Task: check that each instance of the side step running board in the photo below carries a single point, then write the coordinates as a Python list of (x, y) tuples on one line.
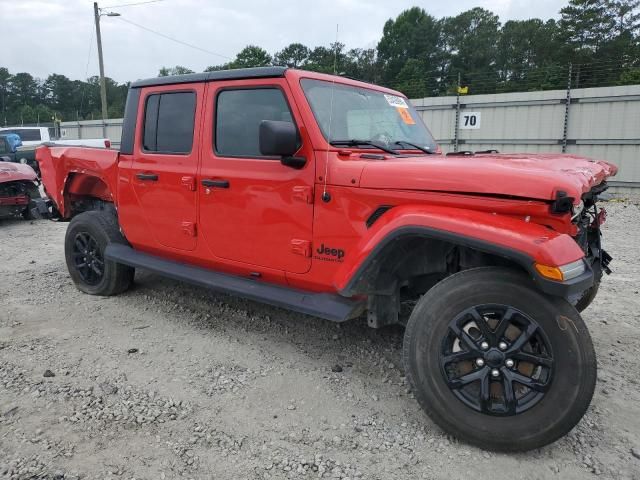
[(323, 305)]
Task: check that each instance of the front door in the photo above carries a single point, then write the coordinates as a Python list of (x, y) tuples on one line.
[(165, 162), (253, 209)]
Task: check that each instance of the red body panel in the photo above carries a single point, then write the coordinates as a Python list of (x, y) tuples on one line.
[(15, 172), (521, 175), (272, 221), (80, 171), (162, 213), (535, 241), (267, 211), (11, 172)]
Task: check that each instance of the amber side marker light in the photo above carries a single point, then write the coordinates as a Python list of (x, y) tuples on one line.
[(563, 272)]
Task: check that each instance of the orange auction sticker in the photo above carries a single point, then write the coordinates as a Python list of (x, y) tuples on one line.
[(406, 116)]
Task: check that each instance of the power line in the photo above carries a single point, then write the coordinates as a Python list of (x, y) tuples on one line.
[(132, 4), (173, 39), (86, 70)]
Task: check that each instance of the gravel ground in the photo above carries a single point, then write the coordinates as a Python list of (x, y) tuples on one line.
[(172, 381)]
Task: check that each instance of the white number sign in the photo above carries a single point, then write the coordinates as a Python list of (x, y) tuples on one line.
[(470, 120)]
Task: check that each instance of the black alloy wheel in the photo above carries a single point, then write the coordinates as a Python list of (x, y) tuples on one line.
[(88, 235), (496, 360), (87, 258)]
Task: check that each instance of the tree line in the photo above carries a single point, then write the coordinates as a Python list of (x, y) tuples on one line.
[(594, 43)]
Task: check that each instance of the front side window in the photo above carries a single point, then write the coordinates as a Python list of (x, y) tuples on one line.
[(168, 122), (365, 114), (238, 117)]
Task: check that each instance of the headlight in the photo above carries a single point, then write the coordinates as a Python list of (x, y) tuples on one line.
[(23, 160), (563, 272)]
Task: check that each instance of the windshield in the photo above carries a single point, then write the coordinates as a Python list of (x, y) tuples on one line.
[(365, 114)]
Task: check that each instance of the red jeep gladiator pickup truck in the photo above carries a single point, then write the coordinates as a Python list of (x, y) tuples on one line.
[(329, 196)]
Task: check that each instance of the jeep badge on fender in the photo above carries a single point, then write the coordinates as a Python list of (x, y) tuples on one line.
[(220, 180), (324, 251)]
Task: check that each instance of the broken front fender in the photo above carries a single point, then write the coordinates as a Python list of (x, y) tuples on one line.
[(528, 244)]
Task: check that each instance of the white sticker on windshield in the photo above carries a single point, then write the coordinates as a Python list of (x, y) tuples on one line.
[(397, 102)]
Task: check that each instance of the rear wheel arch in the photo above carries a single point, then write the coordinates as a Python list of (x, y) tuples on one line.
[(85, 192)]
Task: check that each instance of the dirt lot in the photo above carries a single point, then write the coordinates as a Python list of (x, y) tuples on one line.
[(171, 381)]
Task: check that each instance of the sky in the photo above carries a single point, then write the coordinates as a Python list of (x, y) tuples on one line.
[(58, 36)]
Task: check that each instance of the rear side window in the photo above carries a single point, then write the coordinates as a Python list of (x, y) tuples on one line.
[(238, 117), (168, 122)]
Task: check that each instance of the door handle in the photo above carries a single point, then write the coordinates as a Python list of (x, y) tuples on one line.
[(215, 183), (152, 177)]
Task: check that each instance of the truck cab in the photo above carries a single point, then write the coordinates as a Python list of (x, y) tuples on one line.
[(330, 197)]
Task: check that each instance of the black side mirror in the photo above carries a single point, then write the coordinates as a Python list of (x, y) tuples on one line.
[(280, 139)]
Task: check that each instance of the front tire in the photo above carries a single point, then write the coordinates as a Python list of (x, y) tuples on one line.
[(498, 364), (87, 236), (587, 297)]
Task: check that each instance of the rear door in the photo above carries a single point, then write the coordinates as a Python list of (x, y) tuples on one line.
[(165, 161), (253, 209)]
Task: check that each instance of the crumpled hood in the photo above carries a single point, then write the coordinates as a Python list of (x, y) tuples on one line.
[(536, 176), (11, 172)]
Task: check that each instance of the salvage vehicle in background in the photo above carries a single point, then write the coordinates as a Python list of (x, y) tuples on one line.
[(32, 137), (35, 136), (11, 151), (19, 192), (330, 197)]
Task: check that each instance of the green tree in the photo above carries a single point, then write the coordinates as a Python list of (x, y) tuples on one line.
[(470, 42), (325, 60), (293, 55), (60, 94), (5, 85), (525, 48), (630, 77), (626, 14), (413, 35), (216, 68), (24, 89), (586, 24), (177, 70), (252, 56), (361, 64)]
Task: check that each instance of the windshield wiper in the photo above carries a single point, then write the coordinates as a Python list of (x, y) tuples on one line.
[(355, 143), (417, 147)]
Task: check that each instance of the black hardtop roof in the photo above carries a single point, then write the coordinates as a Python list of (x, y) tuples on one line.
[(236, 74)]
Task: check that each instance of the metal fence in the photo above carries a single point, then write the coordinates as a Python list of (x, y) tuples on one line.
[(601, 123), (111, 129)]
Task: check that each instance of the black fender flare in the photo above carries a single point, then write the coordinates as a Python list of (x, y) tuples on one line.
[(550, 287)]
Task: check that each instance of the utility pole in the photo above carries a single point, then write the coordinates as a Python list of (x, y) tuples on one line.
[(567, 106), (456, 132), (103, 86)]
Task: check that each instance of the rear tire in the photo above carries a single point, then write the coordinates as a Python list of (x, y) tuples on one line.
[(88, 234), (546, 344)]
